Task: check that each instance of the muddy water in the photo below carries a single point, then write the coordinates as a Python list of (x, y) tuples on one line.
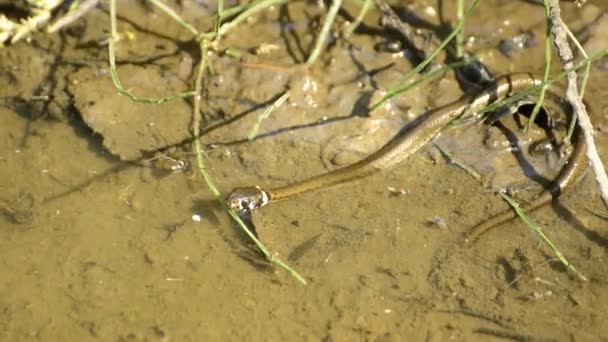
[(96, 244)]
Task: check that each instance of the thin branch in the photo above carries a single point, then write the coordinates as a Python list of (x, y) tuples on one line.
[(560, 37)]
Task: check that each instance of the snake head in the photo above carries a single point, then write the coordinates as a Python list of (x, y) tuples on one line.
[(247, 198)]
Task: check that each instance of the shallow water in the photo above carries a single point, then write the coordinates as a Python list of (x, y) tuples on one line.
[(97, 246)]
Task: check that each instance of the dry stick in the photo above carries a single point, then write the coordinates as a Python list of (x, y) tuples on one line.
[(564, 52)]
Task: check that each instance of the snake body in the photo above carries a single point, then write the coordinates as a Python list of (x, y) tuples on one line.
[(408, 141), (570, 173)]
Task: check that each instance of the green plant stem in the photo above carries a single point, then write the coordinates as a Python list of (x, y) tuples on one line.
[(171, 13), (583, 84), (234, 10), (353, 26), (393, 91), (329, 20), (207, 177), (580, 48), (219, 17), (209, 181), (258, 122), (252, 9), (427, 78), (196, 120), (546, 71), (460, 35), (539, 232), (198, 87), (114, 73)]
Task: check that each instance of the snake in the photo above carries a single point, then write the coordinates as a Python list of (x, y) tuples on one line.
[(412, 138)]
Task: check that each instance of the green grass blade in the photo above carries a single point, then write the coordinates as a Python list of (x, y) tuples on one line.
[(196, 112), (539, 232), (320, 44), (258, 122), (546, 71), (114, 73), (395, 90)]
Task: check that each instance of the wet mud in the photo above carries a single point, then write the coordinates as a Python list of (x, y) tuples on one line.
[(98, 237)]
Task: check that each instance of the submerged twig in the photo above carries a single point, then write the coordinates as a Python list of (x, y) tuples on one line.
[(448, 155), (564, 52)]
